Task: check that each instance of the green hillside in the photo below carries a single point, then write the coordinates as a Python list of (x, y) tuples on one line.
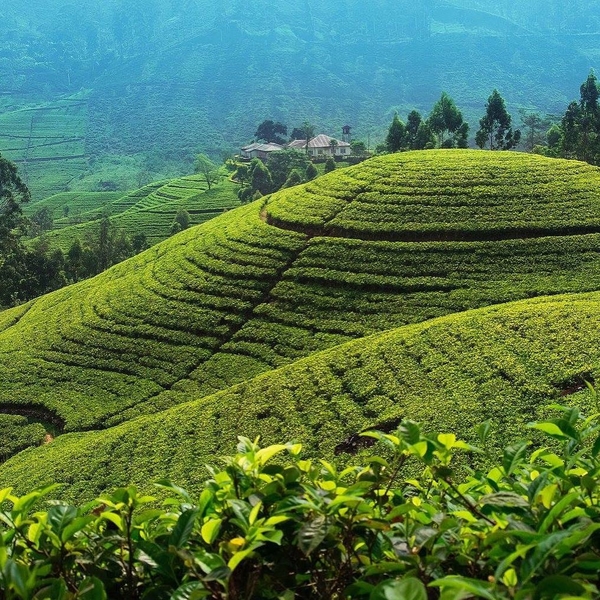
[(359, 251), (502, 363), (150, 210)]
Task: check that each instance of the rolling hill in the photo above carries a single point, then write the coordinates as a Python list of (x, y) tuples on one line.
[(395, 241)]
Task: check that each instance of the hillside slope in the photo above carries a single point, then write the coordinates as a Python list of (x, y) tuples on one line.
[(396, 240), (150, 210), (504, 363)]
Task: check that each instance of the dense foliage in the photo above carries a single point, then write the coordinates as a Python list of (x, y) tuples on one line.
[(402, 525)]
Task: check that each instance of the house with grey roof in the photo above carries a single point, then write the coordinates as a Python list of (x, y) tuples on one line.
[(322, 146), (259, 150)]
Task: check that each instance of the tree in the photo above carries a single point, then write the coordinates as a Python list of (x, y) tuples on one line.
[(309, 133), (412, 127), (358, 148), (329, 165), (283, 162), (298, 133), (181, 221), (13, 193), (535, 127), (271, 132), (446, 119), (396, 134), (208, 169), (311, 172), (495, 126), (42, 220), (74, 262), (261, 180), (425, 138), (295, 178)]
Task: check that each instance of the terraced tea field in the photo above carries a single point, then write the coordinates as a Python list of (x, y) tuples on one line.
[(150, 210), (47, 143), (74, 204), (275, 281), (448, 373)]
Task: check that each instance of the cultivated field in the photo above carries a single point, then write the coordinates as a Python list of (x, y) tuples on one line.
[(275, 281)]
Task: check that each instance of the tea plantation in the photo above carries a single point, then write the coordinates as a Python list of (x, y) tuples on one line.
[(151, 209), (395, 241), (504, 364)]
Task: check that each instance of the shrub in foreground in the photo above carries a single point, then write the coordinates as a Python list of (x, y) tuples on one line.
[(272, 525)]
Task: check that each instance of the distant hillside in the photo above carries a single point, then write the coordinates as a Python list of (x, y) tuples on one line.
[(396, 240), (157, 81), (151, 210)]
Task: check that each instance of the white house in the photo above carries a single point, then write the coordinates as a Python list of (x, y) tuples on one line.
[(322, 146), (258, 150)]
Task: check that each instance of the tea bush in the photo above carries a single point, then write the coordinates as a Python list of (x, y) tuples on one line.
[(271, 524)]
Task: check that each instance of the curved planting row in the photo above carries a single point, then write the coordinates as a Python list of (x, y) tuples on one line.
[(446, 195), (450, 372), (151, 210), (219, 304)]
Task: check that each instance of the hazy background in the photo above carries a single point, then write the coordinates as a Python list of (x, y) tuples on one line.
[(97, 94)]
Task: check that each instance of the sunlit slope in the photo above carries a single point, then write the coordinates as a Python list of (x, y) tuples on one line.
[(260, 287), (504, 363), (151, 210)]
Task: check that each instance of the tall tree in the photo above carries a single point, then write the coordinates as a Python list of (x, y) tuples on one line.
[(495, 126), (13, 193), (535, 127), (445, 119), (396, 135), (413, 121), (271, 132), (207, 168)]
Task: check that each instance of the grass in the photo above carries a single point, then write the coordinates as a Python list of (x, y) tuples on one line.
[(261, 287)]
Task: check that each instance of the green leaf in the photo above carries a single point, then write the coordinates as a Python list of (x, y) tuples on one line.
[(552, 586), (596, 447), (311, 535), (483, 431), (91, 588), (512, 456), (410, 432), (265, 454), (183, 528), (210, 530), (238, 557), (59, 516), (504, 499), (475, 587), (190, 591), (408, 588)]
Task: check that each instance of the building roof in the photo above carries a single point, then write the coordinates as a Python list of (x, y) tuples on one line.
[(297, 144), (320, 141), (262, 147), (324, 141)]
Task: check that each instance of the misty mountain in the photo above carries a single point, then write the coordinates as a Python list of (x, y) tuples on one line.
[(171, 78)]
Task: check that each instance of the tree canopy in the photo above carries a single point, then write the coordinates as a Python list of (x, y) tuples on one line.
[(495, 128), (271, 132), (446, 120)]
